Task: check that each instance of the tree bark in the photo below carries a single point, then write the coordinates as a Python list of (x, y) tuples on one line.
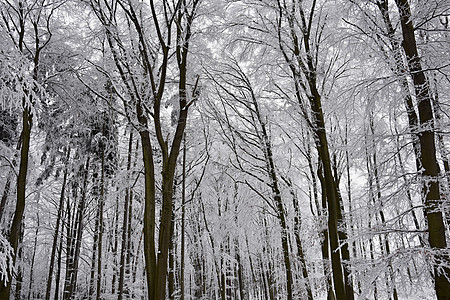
[(183, 219), (428, 161), (56, 234), (74, 255), (27, 123), (100, 227), (33, 258), (124, 248)]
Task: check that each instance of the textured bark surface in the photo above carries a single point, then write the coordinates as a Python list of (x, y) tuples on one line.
[(428, 161), (27, 123)]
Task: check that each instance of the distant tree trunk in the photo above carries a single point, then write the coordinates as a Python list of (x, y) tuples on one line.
[(100, 227), (301, 253), (58, 270), (92, 279), (56, 234), (33, 257), (115, 238), (428, 161), (74, 256), (390, 276), (125, 248), (98, 279), (241, 287), (70, 220), (70, 242), (183, 218), (197, 254)]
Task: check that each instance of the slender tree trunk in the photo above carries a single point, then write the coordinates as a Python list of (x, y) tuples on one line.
[(92, 278), (125, 248), (56, 234), (390, 273), (301, 254), (58, 269), (100, 228), (30, 284), (116, 244), (74, 256), (70, 229), (183, 219)]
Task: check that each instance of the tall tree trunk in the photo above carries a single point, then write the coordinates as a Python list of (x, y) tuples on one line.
[(116, 244), (428, 161), (125, 248), (332, 202), (19, 276), (301, 253), (172, 249), (69, 245), (56, 234), (92, 279), (74, 256), (325, 244), (149, 214), (399, 71), (100, 227), (183, 219), (58, 269), (27, 123), (31, 280), (317, 125), (390, 276)]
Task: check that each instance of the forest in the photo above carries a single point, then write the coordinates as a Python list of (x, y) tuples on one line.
[(225, 149)]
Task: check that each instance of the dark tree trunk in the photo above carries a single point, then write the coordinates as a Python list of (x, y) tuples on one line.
[(56, 234), (172, 249), (125, 247), (74, 255), (27, 124), (30, 284), (58, 270), (92, 279), (183, 219), (428, 161)]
